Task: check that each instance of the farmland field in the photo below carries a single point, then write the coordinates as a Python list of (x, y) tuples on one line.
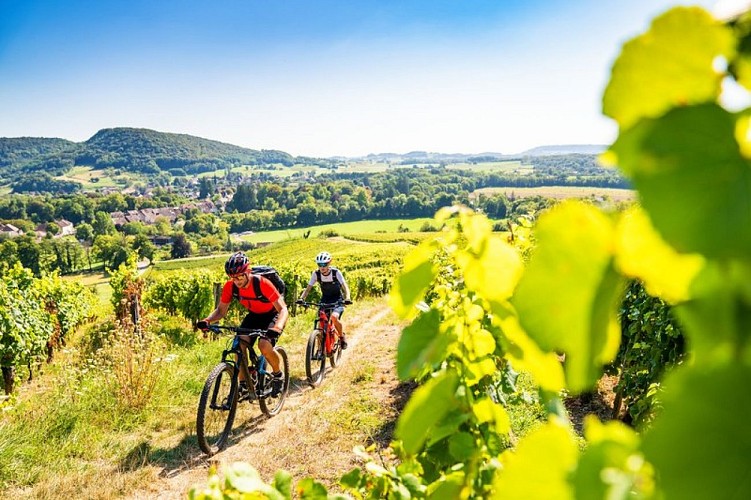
[(341, 228), (559, 192), (509, 167)]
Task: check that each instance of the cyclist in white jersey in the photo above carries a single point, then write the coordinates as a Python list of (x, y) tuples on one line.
[(334, 290)]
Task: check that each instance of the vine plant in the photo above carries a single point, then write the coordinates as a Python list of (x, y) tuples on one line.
[(689, 242)]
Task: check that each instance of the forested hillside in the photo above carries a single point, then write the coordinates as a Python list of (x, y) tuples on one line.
[(135, 150)]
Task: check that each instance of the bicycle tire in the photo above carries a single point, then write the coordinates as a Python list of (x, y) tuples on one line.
[(336, 353), (315, 360), (214, 421), (271, 405)]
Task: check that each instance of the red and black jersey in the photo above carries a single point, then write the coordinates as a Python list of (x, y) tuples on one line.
[(247, 296)]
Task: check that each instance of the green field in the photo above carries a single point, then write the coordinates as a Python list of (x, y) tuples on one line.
[(559, 192), (86, 175), (508, 167), (363, 166), (341, 228)]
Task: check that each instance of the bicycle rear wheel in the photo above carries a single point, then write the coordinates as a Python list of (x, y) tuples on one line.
[(271, 405), (315, 359), (216, 409)]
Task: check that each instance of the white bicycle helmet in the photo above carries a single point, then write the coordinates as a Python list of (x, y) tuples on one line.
[(323, 258)]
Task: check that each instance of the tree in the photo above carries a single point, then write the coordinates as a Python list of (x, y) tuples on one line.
[(52, 228), (112, 250), (244, 199), (84, 232), (206, 187), (144, 247), (180, 247), (103, 224)]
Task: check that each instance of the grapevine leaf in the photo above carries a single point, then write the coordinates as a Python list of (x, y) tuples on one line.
[(691, 177), (309, 488), (643, 254), (611, 466), (701, 444), (447, 427), (566, 299), (462, 446), (482, 343), (352, 479), (486, 410), (283, 483), (410, 285), (421, 343), (477, 370), (540, 465), (427, 406), (448, 486), (494, 271), (524, 353), (718, 320), (670, 65)]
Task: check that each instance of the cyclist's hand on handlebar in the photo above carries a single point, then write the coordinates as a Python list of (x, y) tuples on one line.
[(300, 302), (202, 325), (347, 302)]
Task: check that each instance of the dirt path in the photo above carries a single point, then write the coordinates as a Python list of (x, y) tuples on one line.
[(314, 434)]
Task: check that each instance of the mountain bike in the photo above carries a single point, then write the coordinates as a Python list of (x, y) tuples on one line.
[(221, 392), (323, 342)]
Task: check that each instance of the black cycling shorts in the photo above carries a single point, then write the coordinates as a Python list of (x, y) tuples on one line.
[(264, 321)]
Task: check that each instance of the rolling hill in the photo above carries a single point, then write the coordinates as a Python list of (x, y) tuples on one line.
[(132, 149)]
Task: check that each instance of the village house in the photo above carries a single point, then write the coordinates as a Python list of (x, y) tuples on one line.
[(66, 229), (148, 216), (9, 230)]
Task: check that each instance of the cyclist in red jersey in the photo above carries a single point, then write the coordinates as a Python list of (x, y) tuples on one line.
[(268, 312)]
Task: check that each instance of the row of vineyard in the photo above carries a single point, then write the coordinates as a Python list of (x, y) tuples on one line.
[(36, 315), (368, 268), (480, 313)]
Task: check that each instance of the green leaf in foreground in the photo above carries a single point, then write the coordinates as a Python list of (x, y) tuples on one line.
[(427, 406), (701, 445), (612, 465), (643, 254), (421, 344), (670, 65), (410, 285), (692, 179), (718, 319), (540, 465), (567, 298)]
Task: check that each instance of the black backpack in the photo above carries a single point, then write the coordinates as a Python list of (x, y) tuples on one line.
[(267, 272)]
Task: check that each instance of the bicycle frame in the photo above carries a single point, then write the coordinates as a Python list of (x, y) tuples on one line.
[(324, 323), (252, 366)]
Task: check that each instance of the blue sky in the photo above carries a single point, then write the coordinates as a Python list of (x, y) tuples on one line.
[(318, 78)]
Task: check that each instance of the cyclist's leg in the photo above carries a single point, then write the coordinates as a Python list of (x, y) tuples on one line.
[(336, 314), (243, 348), (264, 322)]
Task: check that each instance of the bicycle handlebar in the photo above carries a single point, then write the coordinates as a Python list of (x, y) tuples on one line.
[(252, 332), (323, 305)]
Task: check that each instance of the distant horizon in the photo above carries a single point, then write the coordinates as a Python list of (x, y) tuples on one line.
[(379, 153)]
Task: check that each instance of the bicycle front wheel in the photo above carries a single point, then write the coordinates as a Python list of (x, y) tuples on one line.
[(315, 358), (216, 409), (271, 402)]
